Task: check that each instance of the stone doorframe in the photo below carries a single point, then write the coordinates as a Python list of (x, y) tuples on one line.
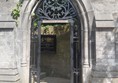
[(85, 11)]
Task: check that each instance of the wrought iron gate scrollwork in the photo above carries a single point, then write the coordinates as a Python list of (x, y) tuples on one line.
[(56, 9)]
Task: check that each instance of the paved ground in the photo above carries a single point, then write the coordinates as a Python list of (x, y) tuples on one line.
[(54, 80)]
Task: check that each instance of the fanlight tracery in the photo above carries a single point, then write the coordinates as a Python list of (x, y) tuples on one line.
[(55, 9)]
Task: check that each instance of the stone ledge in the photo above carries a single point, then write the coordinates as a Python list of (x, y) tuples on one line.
[(8, 65), (3, 81), (105, 68), (103, 16), (105, 74), (7, 24), (6, 17), (105, 24), (8, 71), (102, 71), (9, 76), (104, 80)]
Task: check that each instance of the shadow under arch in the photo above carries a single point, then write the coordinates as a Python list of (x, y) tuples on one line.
[(87, 19)]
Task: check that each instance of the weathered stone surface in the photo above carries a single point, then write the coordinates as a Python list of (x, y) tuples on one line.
[(104, 80), (114, 80), (106, 35), (6, 45), (6, 6), (104, 10), (7, 24), (9, 75), (105, 68), (105, 23), (12, 42), (105, 46), (101, 80), (7, 58)]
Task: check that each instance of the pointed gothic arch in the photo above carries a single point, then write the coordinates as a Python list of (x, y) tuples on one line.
[(84, 10), (54, 10)]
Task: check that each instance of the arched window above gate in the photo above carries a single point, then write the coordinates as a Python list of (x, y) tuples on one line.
[(55, 10)]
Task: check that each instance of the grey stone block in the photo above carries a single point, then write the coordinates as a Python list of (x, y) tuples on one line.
[(101, 80), (7, 24), (105, 68), (105, 74), (105, 36), (105, 24), (9, 75)]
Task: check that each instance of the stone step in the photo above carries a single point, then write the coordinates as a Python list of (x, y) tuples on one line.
[(9, 76)]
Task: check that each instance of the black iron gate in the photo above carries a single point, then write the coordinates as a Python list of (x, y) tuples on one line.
[(56, 10), (33, 56), (76, 61), (76, 54)]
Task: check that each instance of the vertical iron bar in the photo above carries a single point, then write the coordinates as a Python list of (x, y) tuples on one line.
[(34, 53), (30, 77), (71, 49), (39, 52)]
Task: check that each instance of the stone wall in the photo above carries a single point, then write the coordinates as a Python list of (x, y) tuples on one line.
[(11, 42), (8, 67), (105, 47), (6, 7), (8, 64), (105, 70)]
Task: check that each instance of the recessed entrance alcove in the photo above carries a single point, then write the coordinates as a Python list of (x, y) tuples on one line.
[(60, 46), (56, 43), (55, 53), (33, 55)]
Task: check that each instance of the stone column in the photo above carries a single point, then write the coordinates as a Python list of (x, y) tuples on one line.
[(85, 61), (86, 69)]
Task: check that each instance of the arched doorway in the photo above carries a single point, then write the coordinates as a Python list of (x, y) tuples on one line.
[(85, 12), (56, 12)]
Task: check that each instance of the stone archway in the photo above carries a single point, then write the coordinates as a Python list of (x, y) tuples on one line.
[(85, 11)]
